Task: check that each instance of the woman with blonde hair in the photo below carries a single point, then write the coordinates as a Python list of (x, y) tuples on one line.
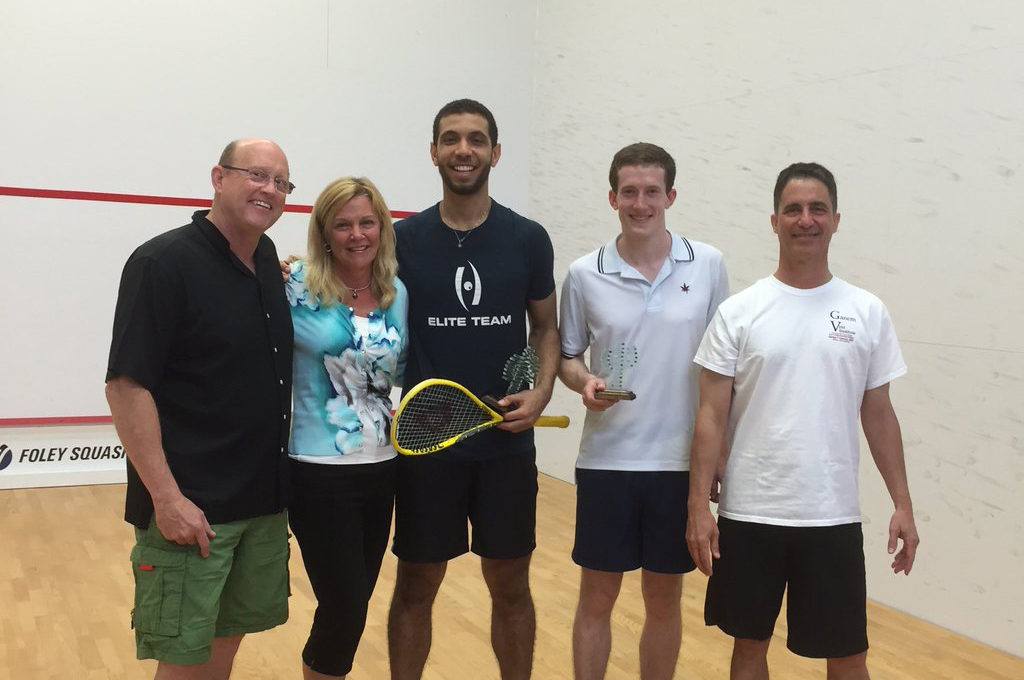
[(349, 314)]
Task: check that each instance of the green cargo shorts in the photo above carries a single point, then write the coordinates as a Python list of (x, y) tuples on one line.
[(183, 601)]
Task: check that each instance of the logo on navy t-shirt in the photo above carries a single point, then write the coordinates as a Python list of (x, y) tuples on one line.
[(468, 289)]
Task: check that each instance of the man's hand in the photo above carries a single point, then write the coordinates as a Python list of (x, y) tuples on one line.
[(882, 430), (523, 409), (182, 522), (707, 465), (901, 526), (138, 426), (286, 266), (578, 378), (702, 538), (590, 400)]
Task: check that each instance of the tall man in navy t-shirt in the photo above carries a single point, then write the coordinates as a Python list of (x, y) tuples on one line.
[(475, 272)]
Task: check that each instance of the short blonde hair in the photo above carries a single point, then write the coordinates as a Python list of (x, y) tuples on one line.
[(320, 278)]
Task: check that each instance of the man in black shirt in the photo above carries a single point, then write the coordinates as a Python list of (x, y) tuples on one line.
[(475, 272), (199, 384)]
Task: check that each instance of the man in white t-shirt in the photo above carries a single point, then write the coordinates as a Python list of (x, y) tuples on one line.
[(640, 304), (788, 365)]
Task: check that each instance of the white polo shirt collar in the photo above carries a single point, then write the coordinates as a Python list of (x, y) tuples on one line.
[(609, 261)]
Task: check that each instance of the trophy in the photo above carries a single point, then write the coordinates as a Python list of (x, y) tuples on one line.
[(617, 359)]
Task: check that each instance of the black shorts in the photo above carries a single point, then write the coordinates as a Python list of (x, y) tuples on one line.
[(628, 520), (435, 497), (826, 608)]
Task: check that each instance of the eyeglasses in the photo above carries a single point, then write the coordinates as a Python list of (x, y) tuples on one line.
[(261, 177)]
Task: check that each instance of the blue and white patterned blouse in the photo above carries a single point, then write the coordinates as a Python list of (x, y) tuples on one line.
[(342, 381)]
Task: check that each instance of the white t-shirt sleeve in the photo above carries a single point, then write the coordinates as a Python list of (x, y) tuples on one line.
[(886, 359), (718, 350), (720, 292)]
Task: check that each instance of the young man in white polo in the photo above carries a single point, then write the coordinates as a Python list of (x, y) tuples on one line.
[(789, 365), (653, 291)]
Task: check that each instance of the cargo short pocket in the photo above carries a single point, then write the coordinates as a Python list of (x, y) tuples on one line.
[(159, 587)]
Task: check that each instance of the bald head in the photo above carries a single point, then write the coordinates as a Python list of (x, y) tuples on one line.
[(250, 183), (227, 157)]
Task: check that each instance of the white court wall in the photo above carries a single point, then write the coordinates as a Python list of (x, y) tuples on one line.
[(917, 108), (128, 97)]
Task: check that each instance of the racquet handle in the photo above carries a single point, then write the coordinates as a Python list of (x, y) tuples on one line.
[(552, 421), (542, 421), (615, 395)]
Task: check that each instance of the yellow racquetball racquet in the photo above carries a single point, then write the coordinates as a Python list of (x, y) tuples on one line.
[(437, 413)]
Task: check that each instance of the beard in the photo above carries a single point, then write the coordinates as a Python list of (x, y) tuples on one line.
[(464, 189)]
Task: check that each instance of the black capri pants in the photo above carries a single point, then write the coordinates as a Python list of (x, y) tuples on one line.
[(341, 518)]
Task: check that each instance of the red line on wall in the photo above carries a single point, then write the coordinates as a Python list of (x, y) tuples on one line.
[(56, 420), (62, 194)]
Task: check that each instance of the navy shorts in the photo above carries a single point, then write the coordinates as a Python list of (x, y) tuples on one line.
[(826, 608), (627, 520), (436, 495)]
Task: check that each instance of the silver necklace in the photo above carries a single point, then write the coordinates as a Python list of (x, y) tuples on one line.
[(461, 236)]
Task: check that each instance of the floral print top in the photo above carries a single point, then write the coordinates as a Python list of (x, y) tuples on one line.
[(342, 380)]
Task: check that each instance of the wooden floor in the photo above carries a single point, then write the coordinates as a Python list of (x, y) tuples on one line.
[(65, 596)]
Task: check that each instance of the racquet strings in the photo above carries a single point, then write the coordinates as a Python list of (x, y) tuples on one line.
[(434, 415)]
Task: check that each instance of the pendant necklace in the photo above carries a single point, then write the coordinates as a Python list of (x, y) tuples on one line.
[(354, 292), (462, 234)]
